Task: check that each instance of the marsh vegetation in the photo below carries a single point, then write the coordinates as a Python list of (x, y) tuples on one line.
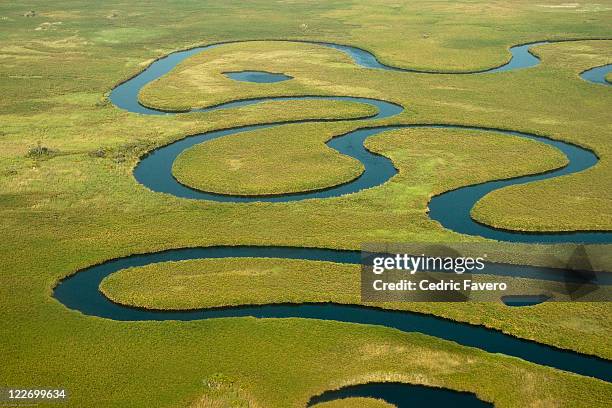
[(82, 206)]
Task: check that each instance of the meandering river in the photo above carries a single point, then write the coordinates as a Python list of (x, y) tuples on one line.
[(452, 209)]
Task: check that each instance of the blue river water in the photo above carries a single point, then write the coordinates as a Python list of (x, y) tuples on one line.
[(524, 300), (81, 290), (451, 209), (597, 75), (403, 395), (260, 77)]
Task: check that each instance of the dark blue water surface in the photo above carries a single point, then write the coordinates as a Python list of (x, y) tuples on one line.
[(155, 170), (80, 292), (260, 77), (524, 300), (404, 395), (452, 209)]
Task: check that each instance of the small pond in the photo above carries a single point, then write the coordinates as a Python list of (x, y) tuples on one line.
[(524, 300), (257, 76)]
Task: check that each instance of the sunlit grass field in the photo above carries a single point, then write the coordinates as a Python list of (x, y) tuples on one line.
[(68, 198), (521, 100), (217, 283)]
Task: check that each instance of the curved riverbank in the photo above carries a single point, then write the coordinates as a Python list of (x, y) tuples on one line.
[(403, 395), (81, 292), (452, 209)]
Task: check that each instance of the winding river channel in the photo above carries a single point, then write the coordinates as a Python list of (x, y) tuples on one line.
[(451, 209)]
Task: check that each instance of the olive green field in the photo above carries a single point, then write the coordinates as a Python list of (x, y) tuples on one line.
[(69, 199)]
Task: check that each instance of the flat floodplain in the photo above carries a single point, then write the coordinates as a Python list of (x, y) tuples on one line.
[(69, 199)]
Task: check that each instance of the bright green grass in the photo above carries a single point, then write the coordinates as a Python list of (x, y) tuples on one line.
[(284, 159), (576, 202), (251, 163), (72, 210), (528, 207), (222, 392), (216, 283)]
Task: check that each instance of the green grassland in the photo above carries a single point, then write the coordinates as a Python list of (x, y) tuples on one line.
[(493, 209), (216, 283), (354, 402), (291, 158), (78, 204), (252, 160), (575, 202), (220, 392)]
